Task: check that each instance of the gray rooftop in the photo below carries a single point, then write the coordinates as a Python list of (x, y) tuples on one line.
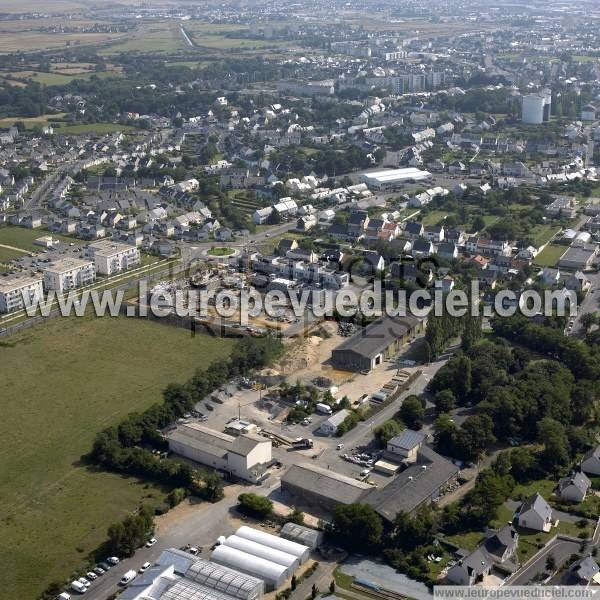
[(408, 439), (377, 336), (413, 486)]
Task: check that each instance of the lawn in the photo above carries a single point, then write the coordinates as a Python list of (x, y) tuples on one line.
[(97, 128), (468, 540), (61, 78), (30, 121), (221, 251), (545, 487), (62, 382), (434, 217), (541, 234), (550, 255), (20, 237)]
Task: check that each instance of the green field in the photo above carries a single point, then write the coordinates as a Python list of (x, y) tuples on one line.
[(221, 251), (20, 237), (541, 234), (549, 256), (62, 382), (97, 128), (60, 78)]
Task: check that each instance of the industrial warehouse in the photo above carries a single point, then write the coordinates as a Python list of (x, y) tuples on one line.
[(246, 456), (377, 342), (393, 178), (243, 567), (425, 476)]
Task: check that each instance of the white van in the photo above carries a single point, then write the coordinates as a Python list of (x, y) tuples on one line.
[(77, 586), (128, 577)]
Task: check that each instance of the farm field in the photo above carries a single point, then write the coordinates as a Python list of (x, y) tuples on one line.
[(56, 78), (63, 382), (97, 128)]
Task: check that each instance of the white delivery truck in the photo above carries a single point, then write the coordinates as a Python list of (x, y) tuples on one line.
[(324, 409), (128, 577)]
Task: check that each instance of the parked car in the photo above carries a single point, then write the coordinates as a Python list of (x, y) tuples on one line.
[(99, 570), (91, 575), (104, 566), (150, 542), (193, 550), (113, 560), (84, 581), (144, 567), (77, 586)]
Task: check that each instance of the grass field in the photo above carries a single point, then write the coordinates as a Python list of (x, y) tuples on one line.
[(61, 78), (62, 382), (541, 234), (549, 256), (150, 37), (434, 217), (20, 237), (97, 128)]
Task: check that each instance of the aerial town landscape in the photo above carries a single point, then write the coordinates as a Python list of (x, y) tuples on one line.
[(416, 184)]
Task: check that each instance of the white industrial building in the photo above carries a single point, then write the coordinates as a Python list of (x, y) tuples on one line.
[(301, 551), (178, 575), (113, 257), (302, 535), (273, 574), (17, 290), (246, 456), (262, 555), (536, 108), (68, 273), (392, 178), (289, 561), (330, 426)]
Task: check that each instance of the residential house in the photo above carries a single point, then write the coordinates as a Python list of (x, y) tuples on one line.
[(414, 230), (574, 487), (590, 463), (471, 569), (584, 572), (434, 233), (447, 250), (535, 513)]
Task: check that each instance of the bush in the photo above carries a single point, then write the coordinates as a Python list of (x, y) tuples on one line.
[(255, 506)]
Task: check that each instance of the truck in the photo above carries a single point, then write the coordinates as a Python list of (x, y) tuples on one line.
[(128, 577), (324, 409), (302, 443)]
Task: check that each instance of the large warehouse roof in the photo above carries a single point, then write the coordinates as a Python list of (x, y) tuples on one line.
[(273, 541), (413, 486), (328, 484), (270, 572), (377, 336), (277, 556), (391, 176)]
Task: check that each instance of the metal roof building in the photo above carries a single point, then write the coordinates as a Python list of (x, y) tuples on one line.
[(375, 343), (321, 488), (266, 539), (302, 535), (277, 556), (271, 573)]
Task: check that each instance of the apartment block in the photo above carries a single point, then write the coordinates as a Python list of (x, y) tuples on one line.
[(113, 257), (15, 289), (68, 273)]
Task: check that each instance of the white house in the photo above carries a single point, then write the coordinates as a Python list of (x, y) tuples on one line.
[(574, 487), (591, 462), (535, 513)]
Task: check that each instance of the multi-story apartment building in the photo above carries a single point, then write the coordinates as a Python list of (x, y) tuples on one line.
[(68, 273), (113, 257), (17, 290)]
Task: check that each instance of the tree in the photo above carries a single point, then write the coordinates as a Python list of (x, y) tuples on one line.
[(386, 431), (412, 412), (296, 516), (332, 587), (255, 505), (293, 583), (550, 563), (358, 527), (314, 592), (552, 434), (444, 401)]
